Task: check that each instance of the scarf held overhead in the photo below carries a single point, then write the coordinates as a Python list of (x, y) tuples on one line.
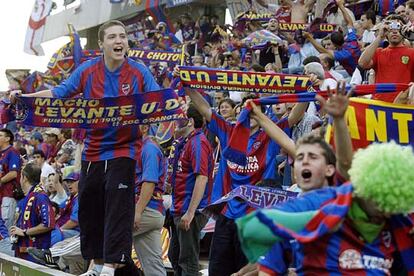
[(146, 108), (237, 146), (240, 81)]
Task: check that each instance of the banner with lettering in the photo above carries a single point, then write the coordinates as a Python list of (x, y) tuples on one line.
[(255, 196), (161, 56), (292, 27), (145, 108), (240, 81), (253, 16), (376, 121)]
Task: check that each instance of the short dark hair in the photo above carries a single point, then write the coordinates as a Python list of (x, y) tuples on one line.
[(337, 39), (252, 96), (311, 59), (39, 152), (106, 25), (328, 153), (32, 172), (370, 15), (9, 134), (192, 112)]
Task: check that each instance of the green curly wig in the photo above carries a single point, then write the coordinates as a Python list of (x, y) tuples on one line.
[(384, 173)]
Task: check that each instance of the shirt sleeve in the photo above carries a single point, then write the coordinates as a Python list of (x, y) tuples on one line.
[(341, 55), (14, 162), (274, 262), (75, 208), (375, 58), (201, 152), (220, 127), (352, 36), (150, 164), (45, 211), (69, 87)]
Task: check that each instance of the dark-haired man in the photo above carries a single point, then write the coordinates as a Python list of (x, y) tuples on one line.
[(108, 164), (192, 182), (10, 165), (36, 218), (394, 64)]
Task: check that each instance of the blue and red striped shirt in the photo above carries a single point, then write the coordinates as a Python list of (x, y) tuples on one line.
[(151, 167), (36, 209), (261, 164), (95, 81), (349, 53), (10, 161), (70, 212), (196, 158), (343, 252)]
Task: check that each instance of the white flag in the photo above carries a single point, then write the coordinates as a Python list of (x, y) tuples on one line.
[(34, 33)]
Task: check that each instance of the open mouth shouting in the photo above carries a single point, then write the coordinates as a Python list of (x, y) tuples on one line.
[(119, 50), (306, 175)]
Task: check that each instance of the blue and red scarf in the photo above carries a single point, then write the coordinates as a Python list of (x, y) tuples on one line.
[(325, 221), (237, 146)]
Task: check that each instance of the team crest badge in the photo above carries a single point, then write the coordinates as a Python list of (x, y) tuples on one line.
[(257, 145), (350, 259), (405, 59), (125, 88)]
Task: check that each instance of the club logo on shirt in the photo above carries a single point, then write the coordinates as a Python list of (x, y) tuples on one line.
[(256, 145), (405, 59), (352, 259), (125, 88)]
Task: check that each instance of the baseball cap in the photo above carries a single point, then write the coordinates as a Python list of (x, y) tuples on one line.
[(73, 176), (53, 131), (37, 136)]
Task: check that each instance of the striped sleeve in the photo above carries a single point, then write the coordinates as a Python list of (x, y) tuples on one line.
[(201, 155)]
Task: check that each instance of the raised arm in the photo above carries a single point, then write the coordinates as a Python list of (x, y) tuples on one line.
[(200, 103), (274, 132), (317, 45), (336, 106), (347, 17), (365, 60), (297, 113)]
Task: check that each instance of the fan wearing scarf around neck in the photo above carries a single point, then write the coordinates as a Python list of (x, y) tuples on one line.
[(316, 166), (36, 218), (361, 226), (258, 163)]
